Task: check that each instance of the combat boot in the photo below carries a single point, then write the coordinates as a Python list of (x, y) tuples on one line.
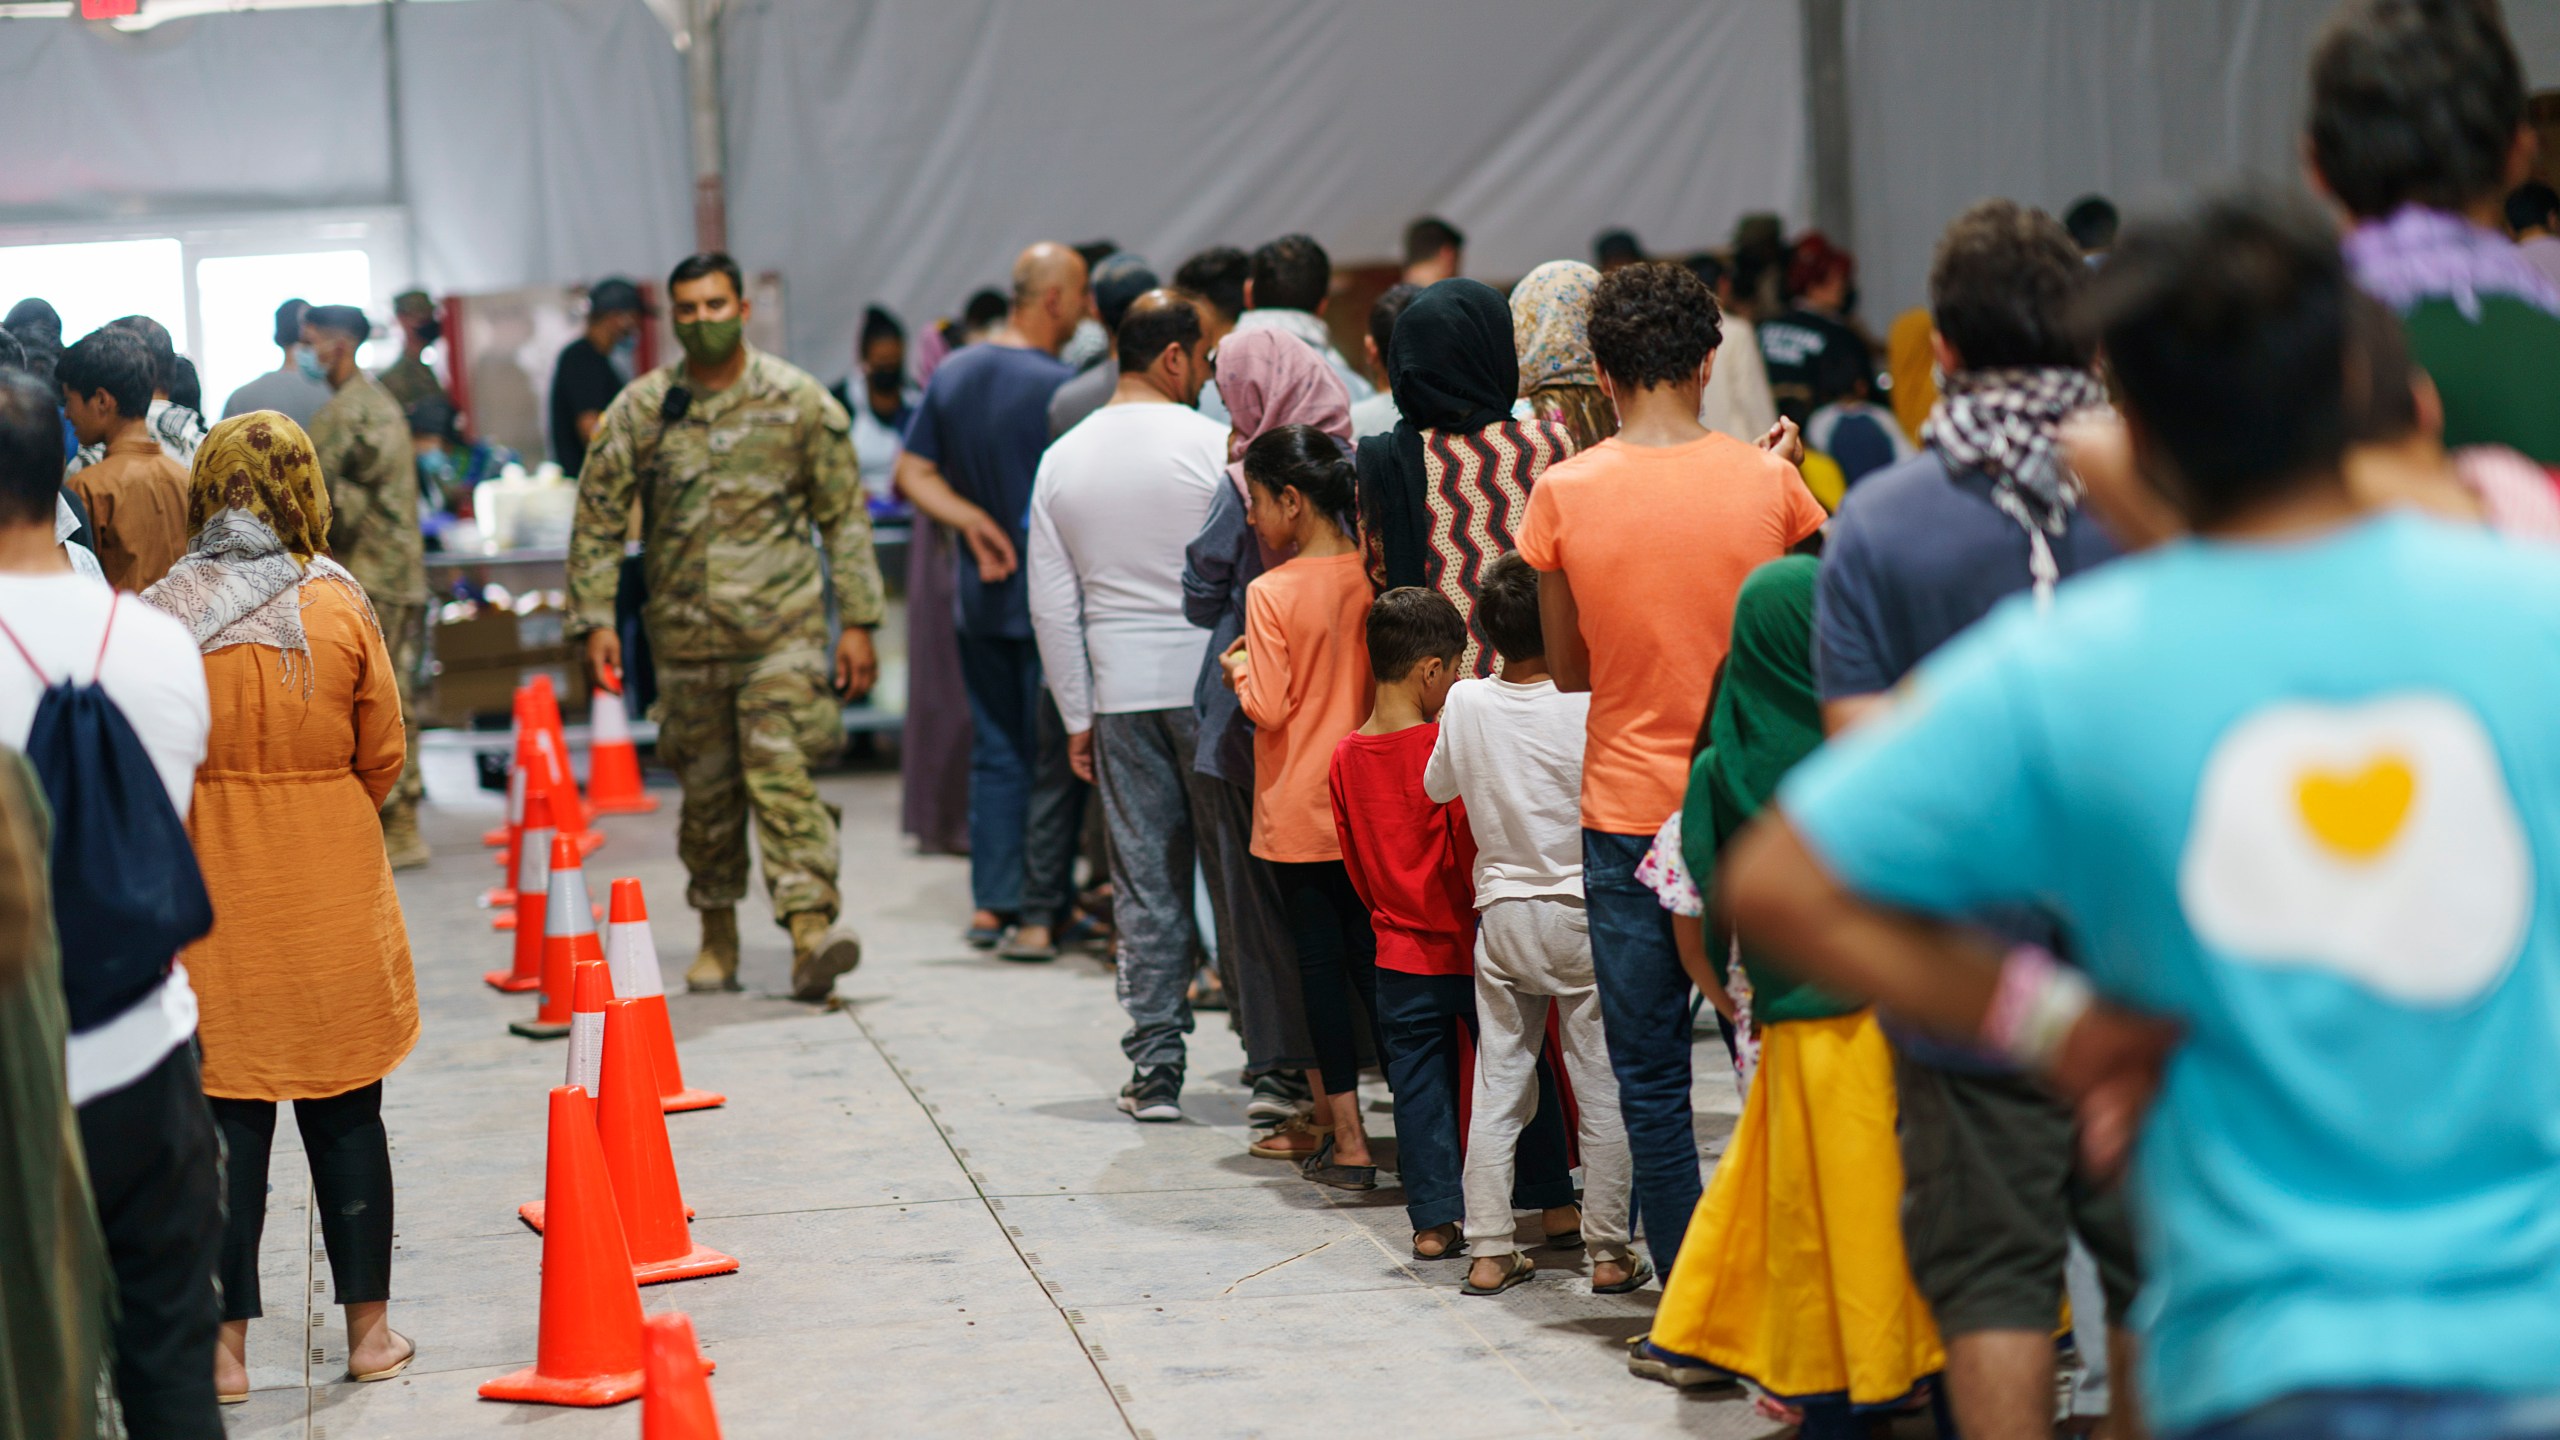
[(400, 837), (716, 968), (821, 950)]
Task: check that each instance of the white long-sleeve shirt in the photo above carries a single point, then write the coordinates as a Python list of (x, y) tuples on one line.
[(1115, 501)]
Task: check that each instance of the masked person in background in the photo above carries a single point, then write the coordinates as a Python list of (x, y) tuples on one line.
[(593, 368), (410, 379), (734, 456)]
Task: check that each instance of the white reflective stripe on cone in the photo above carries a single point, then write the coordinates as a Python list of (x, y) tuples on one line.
[(515, 789), (533, 862), (607, 722), (586, 1049), (566, 912), (632, 954), (551, 764)]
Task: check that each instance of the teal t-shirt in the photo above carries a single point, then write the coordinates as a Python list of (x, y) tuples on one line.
[(2304, 798)]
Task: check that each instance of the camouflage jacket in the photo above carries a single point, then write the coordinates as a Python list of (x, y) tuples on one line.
[(362, 441), (728, 497), (410, 381)]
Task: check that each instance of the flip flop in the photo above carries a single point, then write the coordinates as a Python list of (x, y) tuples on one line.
[(1457, 1243), (1638, 1273), (1320, 1168), (1516, 1268), (240, 1399), (1567, 1240), (387, 1371)]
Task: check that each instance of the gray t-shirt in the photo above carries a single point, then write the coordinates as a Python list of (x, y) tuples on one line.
[(1089, 391), (286, 390)]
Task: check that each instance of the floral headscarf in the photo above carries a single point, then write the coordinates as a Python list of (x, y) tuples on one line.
[(1551, 325), (262, 462)]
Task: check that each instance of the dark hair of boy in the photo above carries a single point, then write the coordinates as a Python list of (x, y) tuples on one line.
[(879, 324), (115, 361), (1383, 312), (1409, 625), (289, 322), (185, 387), (2414, 102), (1653, 324), (1307, 460), (987, 307), (1616, 247), (1217, 275), (709, 262), (2002, 288), (1425, 238), (1148, 326), (1507, 608), (155, 339), (2533, 206), (1291, 273), (2226, 329), (1708, 266), (31, 457), (2092, 222), (2382, 377)]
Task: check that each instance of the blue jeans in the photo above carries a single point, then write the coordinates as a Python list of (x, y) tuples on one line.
[(1002, 677), (2392, 1415), (1644, 1007), (1418, 1016)]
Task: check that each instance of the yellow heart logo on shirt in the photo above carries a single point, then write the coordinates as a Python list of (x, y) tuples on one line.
[(2357, 816)]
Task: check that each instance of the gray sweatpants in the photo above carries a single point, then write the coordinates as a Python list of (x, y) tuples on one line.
[(1532, 953), (1142, 766)]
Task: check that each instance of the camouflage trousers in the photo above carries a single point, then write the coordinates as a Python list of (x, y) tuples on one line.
[(742, 734), (404, 634)]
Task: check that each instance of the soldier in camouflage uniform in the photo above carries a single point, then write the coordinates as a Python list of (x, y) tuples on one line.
[(735, 457), (362, 440)]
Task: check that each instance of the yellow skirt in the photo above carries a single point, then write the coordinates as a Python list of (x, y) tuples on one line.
[(1793, 1274)]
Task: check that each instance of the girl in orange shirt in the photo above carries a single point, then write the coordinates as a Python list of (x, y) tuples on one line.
[(1301, 673)]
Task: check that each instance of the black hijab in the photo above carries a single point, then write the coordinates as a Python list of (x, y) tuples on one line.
[(1452, 367)]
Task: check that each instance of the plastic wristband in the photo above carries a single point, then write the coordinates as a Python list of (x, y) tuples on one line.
[(2035, 1005)]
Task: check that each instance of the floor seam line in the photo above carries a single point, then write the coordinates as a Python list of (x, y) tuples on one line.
[(1442, 1298), (1110, 1391)]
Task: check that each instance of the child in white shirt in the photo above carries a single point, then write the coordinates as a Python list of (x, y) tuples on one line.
[(1512, 748)]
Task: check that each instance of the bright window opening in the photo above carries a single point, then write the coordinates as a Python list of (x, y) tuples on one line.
[(238, 296), (90, 284)]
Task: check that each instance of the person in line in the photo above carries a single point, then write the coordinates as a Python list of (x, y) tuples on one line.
[(1378, 415), (2418, 129), (1443, 493), (1434, 251), (885, 403), (410, 378), (1550, 323), (1616, 249), (130, 1070), (135, 495), (593, 368), (2237, 825), (1117, 283), (362, 439), (2533, 217), (1215, 278), (972, 452), (1300, 672), (285, 388), (312, 1001), (1641, 544), (1510, 753), (734, 480), (1271, 380), (1115, 501), (1919, 553), (1814, 356), (1793, 1276), (933, 740), (1736, 401), (2092, 221), (178, 428), (1288, 289)]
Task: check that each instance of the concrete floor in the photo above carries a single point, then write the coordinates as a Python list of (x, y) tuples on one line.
[(946, 1227)]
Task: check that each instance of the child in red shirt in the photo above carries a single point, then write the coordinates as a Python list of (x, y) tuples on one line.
[(1413, 863)]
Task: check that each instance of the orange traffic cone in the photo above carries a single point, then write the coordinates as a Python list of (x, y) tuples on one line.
[(588, 1350), (586, 1053), (675, 1401), (643, 1168), (506, 834), (551, 744), (613, 762), (632, 954), (568, 936), (533, 882)]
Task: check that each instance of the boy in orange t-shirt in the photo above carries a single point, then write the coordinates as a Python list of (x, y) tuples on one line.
[(1642, 543)]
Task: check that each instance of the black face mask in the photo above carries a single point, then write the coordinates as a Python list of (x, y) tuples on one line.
[(429, 331), (885, 382)]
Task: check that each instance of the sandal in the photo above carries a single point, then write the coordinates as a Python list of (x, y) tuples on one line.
[(1648, 1361), (1638, 1275), (1568, 1239), (1516, 1267), (1268, 1144), (1320, 1168), (1454, 1242), (390, 1370)]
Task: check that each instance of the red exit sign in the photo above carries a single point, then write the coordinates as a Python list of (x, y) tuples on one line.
[(108, 9)]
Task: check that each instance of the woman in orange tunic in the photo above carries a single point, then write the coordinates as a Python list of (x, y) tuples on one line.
[(305, 984)]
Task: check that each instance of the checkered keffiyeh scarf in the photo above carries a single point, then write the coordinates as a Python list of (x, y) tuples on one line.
[(2007, 424)]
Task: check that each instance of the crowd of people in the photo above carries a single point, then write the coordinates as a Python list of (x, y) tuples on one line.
[(2085, 752)]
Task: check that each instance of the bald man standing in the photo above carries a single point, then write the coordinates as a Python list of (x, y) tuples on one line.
[(972, 451)]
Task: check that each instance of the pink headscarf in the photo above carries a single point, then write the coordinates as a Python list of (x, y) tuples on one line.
[(1270, 378)]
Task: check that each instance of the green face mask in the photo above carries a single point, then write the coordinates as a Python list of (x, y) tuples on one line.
[(710, 342)]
